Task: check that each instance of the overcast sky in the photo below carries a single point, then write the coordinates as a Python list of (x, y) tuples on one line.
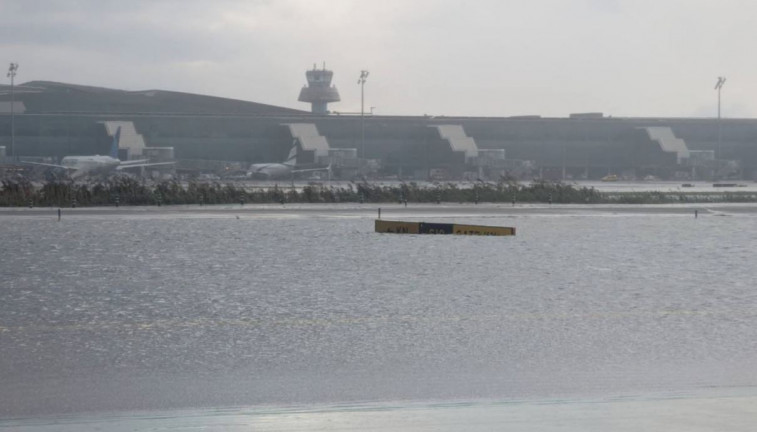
[(436, 57)]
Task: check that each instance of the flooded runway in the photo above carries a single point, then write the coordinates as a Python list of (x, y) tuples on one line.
[(189, 308), (735, 412)]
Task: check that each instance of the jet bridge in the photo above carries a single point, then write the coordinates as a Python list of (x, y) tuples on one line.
[(131, 140), (458, 140), (313, 145), (669, 143)]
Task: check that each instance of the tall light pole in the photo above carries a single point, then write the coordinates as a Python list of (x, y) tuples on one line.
[(12, 74), (361, 81), (718, 87)]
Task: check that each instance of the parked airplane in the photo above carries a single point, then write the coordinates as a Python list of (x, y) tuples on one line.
[(267, 171), (80, 166)]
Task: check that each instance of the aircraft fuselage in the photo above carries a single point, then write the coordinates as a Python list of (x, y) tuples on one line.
[(90, 165), (269, 171)]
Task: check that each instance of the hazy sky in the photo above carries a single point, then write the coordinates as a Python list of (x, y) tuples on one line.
[(437, 57)]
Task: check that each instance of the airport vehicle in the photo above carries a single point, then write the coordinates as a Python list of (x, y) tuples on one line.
[(81, 166), (267, 171)]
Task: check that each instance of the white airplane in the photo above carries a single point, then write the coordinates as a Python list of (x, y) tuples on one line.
[(267, 171), (80, 166)]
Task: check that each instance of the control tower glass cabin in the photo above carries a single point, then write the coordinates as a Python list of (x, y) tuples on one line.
[(319, 91)]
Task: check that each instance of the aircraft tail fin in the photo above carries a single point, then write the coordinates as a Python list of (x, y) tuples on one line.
[(114, 146), (292, 158)]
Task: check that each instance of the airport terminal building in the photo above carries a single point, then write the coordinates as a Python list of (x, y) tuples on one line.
[(51, 120)]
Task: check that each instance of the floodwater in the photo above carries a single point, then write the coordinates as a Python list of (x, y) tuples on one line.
[(302, 317)]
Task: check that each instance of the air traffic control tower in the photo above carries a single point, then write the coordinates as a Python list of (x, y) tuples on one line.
[(319, 91)]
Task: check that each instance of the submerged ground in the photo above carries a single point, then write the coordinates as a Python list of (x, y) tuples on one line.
[(592, 316)]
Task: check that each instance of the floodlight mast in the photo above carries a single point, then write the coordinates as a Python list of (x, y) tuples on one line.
[(719, 87), (361, 81), (12, 74)]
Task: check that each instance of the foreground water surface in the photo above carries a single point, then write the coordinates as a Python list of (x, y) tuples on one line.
[(133, 310)]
